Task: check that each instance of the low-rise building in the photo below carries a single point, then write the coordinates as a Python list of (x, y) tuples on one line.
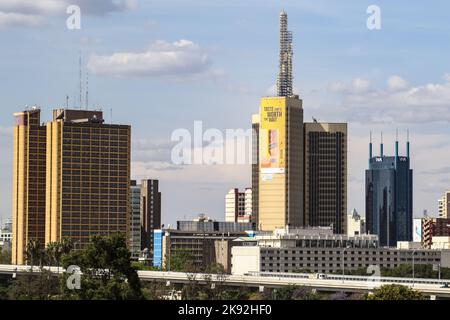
[(355, 224), (208, 242), (321, 251)]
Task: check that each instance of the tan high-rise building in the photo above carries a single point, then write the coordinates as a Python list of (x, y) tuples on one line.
[(280, 187), (88, 176), (326, 175), (28, 207)]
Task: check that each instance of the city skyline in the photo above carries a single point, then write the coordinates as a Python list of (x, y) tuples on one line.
[(337, 82)]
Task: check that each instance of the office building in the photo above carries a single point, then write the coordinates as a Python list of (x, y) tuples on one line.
[(238, 205), (135, 220), (88, 177), (389, 197), (326, 175), (255, 167), (280, 186), (435, 233), (205, 239), (234, 205), (248, 206), (355, 224), (29, 182), (319, 250), (150, 213), (444, 206)]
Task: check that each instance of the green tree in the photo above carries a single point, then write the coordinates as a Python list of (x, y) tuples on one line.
[(181, 261), (35, 286), (395, 292), (5, 256), (106, 269)]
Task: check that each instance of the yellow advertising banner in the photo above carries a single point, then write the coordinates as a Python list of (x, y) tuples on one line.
[(272, 135)]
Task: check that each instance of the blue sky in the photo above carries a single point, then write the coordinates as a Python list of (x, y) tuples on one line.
[(225, 60)]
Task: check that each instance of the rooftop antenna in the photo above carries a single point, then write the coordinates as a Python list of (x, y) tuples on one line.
[(370, 146), (284, 81), (87, 89), (407, 143), (67, 101), (381, 145), (81, 84), (396, 143), (110, 116)]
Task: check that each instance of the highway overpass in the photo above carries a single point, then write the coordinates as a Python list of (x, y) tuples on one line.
[(334, 283)]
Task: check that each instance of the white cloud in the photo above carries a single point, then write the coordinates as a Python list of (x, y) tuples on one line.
[(395, 83), (41, 7), (35, 12), (421, 104), (18, 19), (179, 59), (358, 85)]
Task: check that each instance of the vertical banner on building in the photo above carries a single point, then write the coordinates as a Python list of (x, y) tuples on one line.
[(272, 136)]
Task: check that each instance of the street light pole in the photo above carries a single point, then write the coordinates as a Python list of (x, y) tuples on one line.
[(413, 273)]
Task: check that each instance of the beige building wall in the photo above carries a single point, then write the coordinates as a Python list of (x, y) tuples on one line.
[(280, 163), (28, 192), (88, 177)]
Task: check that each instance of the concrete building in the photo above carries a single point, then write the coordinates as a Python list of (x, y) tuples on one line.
[(238, 205), (355, 224), (150, 212), (70, 178), (29, 182), (444, 206), (326, 175), (135, 220), (323, 252), (280, 142), (435, 232), (88, 176), (255, 167), (208, 242), (389, 197)]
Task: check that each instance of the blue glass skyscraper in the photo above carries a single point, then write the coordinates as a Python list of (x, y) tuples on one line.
[(389, 196)]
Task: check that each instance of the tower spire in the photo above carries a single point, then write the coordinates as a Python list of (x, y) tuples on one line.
[(284, 81)]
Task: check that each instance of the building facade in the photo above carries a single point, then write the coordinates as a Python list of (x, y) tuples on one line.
[(255, 167), (238, 205), (355, 224), (444, 206), (207, 241), (326, 175), (150, 213), (389, 197), (323, 252), (280, 163), (88, 176), (135, 220), (29, 182)]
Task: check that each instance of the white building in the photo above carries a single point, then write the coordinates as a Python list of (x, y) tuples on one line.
[(444, 205), (238, 205), (355, 224)]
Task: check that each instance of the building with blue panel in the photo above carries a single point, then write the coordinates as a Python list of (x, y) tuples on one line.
[(157, 248), (389, 197)]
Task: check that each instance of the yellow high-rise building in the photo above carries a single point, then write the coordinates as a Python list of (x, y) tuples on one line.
[(280, 187), (71, 178), (88, 176), (28, 207)]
